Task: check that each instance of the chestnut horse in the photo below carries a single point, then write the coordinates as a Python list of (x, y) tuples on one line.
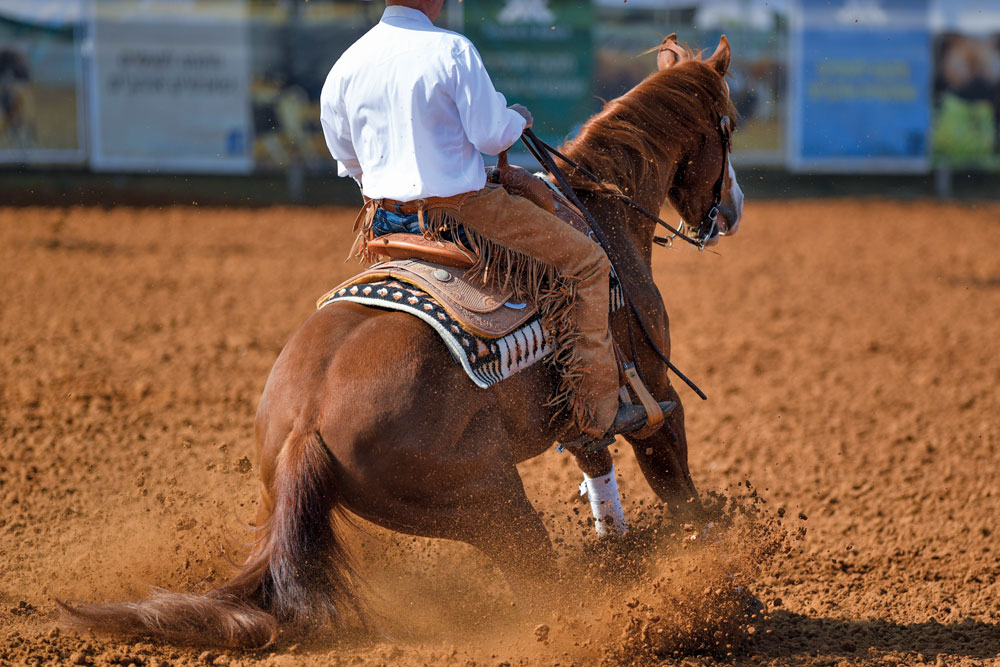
[(365, 411)]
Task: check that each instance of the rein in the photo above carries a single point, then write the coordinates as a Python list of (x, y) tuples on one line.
[(708, 224), (543, 153)]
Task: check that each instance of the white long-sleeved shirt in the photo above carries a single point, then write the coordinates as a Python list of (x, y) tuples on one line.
[(409, 108)]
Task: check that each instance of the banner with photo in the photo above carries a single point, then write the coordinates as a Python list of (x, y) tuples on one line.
[(41, 74), (967, 84), (860, 86), (539, 53), (758, 33), (169, 86), (294, 47)]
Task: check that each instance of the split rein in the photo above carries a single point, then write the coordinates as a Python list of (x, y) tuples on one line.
[(542, 152), (709, 224)]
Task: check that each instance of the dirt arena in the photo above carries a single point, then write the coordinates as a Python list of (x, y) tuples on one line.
[(850, 350)]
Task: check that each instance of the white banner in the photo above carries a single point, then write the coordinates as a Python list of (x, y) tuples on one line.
[(170, 86)]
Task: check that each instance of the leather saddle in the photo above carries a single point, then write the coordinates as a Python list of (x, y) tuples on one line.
[(441, 268), (481, 309)]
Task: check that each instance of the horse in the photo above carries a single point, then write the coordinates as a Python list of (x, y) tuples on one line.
[(365, 413)]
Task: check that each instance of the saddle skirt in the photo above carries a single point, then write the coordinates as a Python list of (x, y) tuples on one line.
[(476, 308), (490, 336), (491, 345)]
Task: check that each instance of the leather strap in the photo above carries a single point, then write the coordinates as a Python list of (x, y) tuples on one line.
[(654, 415), (628, 375), (418, 206)]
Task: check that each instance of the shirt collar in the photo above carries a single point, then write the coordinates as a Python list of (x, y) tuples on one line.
[(401, 12)]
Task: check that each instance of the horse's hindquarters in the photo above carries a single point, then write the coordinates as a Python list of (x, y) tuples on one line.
[(395, 411), (415, 446)]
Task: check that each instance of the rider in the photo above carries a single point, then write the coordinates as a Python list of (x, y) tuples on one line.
[(407, 111)]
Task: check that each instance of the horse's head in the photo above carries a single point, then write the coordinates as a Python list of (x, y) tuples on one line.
[(704, 188)]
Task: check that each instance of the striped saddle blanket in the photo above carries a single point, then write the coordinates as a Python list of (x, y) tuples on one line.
[(489, 336)]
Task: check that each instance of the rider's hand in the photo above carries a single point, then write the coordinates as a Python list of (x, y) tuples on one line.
[(523, 110)]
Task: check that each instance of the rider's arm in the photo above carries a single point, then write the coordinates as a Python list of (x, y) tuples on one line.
[(337, 130), (488, 123)]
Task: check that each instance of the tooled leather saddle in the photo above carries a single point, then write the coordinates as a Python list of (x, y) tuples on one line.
[(490, 335), (439, 267)]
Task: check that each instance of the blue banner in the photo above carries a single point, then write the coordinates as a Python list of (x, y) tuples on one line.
[(861, 86)]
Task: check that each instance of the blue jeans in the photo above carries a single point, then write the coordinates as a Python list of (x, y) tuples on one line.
[(388, 222)]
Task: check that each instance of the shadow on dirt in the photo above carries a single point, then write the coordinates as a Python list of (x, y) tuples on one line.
[(795, 635), (983, 282)]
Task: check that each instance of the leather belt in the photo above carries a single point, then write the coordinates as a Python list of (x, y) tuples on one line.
[(363, 221), (418, 205)]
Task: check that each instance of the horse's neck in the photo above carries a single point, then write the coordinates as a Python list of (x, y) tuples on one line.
[(651, 194), (644, 175)]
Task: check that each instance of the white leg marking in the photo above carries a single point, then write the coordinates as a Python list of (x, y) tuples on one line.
[(605, 504)]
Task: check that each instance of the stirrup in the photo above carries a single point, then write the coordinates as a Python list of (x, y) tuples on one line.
[(630, 418)]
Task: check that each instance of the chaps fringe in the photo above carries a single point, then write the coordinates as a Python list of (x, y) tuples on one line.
[(527, 278)]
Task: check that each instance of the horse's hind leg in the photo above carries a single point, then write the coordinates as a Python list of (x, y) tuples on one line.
[(491, 513), (452, 478), (502, 523)]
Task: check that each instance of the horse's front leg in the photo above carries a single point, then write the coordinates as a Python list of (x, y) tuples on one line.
[(663, 460), (601, 488)]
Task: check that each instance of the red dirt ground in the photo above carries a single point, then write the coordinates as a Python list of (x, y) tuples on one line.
[(850, 350)]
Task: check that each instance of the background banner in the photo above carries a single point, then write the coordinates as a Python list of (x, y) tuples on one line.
[(967, 84), (294, 47), (40, 82), (221, 86), (170, 84), (758, 33), (539, 53), (860, 86)]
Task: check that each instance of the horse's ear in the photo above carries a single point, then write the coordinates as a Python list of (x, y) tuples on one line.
[(721, 58), (670, 52)]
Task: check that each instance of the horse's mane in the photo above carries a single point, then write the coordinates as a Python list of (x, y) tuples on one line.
[(625, 142)]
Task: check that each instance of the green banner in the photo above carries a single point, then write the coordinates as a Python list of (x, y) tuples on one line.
[(539, 53)]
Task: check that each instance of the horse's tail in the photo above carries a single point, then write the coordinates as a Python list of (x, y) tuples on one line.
[(298, 573)]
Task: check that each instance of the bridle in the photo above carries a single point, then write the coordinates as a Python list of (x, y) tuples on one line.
[(708, 225)]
